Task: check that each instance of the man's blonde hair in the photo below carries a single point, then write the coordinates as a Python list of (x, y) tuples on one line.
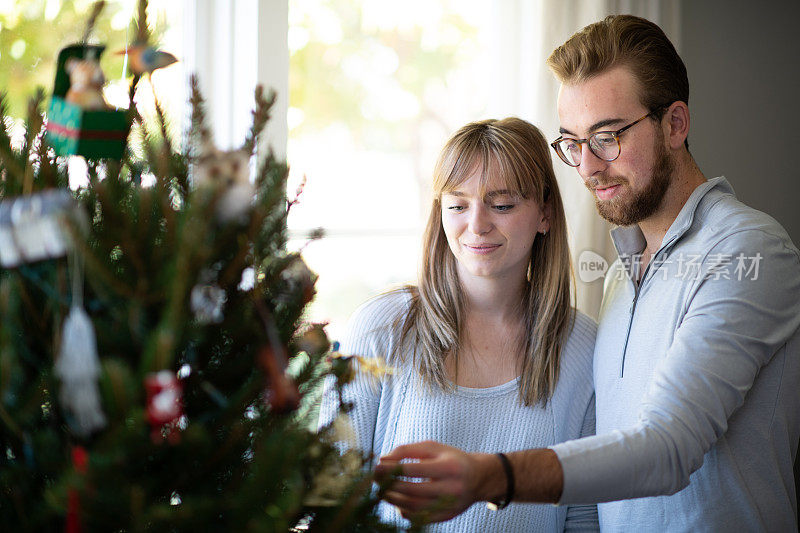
[(631, 42)]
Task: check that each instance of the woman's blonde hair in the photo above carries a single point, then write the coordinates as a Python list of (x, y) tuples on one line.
[(515, 152)]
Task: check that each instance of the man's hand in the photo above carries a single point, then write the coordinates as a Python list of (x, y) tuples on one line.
[(452, 480)]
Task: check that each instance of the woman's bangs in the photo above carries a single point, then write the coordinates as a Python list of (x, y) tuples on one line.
[(461, 165), (503, 172), (502, 167)]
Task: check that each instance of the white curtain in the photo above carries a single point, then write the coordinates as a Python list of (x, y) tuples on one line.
[(524, 34)]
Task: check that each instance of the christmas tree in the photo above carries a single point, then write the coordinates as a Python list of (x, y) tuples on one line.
[(146, 330)]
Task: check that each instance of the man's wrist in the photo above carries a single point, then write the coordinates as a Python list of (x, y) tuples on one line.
[(490, 481), (547, 484)]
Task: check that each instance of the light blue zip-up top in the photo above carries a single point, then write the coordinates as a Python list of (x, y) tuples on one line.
[(697, 377)]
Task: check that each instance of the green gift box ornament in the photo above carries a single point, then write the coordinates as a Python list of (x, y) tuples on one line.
[(79, 124)]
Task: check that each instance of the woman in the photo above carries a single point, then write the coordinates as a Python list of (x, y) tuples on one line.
[(488, 351)]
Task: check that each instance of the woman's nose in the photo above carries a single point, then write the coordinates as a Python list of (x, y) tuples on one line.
[(480, 220)]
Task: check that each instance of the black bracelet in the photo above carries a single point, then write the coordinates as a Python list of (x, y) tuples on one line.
[(502, 504)]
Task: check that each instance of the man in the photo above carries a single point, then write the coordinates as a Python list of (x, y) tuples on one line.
[(697, 361)]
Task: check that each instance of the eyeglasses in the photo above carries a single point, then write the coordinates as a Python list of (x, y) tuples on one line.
[(603, 144)]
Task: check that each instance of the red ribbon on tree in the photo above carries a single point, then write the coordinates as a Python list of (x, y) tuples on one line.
[(80, 461)]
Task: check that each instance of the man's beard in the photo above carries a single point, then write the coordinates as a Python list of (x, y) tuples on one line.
[(644, 203)]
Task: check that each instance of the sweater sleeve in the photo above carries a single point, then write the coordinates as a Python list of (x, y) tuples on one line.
[(731, 328), (584, 517)]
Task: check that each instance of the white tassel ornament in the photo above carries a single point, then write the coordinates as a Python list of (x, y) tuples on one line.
[(78, 365)]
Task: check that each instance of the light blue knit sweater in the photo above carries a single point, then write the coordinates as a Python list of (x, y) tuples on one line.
[(399, 410)]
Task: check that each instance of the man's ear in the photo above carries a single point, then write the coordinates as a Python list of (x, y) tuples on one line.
[(676, 124)]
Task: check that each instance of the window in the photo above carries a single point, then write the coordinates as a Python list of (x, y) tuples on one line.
[(32, 33), (376, 88)]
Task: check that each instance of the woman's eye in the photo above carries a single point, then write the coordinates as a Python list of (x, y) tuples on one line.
[(503, 207), (456, 208)]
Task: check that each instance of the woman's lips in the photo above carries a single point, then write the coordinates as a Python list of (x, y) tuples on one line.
[(482, 249), (607, 193)]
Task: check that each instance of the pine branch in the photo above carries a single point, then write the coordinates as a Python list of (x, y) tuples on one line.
[(5, 134), (33, 129), (199, 134), (142, 31), (157, 159), (94, 264), (237, 264), (45, 158), (9, 161), (346, 512), (162, 122), (261, 115), (133, 112), (97, 8), (191, 252), (173, 174)]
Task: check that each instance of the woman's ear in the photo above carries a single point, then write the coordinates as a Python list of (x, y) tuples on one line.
[(547, 215)]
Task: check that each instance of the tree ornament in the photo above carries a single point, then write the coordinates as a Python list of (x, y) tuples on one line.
[(374, 367), (78, 365), (33, 228), (300, 278), (164, 405), (207, 301), (228, 174), (145, 59), (342, 367), (314, 340), (86, 80), (79, 121)]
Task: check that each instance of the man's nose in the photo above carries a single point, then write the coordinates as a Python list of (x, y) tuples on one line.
[(590, 164)]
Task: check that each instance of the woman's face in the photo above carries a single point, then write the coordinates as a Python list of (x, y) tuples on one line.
[(491, 235)]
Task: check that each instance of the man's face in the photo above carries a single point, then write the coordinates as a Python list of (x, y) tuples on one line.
[(630, 188)]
